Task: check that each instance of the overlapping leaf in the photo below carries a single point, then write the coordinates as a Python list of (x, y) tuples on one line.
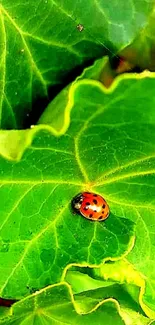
[(55, 304), (40, 44), (143, 43), (58, 304), (121, 277), (130, 311), (54, 114)]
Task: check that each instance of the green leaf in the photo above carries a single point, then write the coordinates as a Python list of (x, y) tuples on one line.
[(40, 45), (92, 289), (107, 274), (143, 43), (4, 312), (39, 233), (109, 150), (130, 311), (54, 114), (55, 305), (83, 281)]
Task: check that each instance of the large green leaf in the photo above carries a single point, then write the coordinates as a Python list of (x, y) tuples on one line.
[(40, 44), (108, 149), (40, 235)]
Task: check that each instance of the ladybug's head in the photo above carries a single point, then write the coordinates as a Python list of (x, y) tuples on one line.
[(77, 201)]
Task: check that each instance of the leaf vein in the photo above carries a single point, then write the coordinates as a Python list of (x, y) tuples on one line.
[(132, 163), (118, 178), (4, 67), (30, 244), (15, 206), (33, 63), (51, 149)]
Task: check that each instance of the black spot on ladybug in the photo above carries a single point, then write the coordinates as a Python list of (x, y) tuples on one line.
[(86, 208), (87, 203), (103, 211), (95, 201), (95, 195), (95, 210), (90, 216), (100, 217), (103, 206)]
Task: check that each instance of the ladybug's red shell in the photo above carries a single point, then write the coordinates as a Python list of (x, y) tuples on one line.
[(90, 205)]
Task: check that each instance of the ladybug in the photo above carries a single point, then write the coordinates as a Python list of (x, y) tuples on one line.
[(91, 206)]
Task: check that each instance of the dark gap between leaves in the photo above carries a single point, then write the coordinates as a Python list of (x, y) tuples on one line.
[(7, 302)]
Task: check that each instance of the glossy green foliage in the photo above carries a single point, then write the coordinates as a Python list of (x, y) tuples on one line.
[(40, 45), (63, 268), (40, 235), (45, 234)]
